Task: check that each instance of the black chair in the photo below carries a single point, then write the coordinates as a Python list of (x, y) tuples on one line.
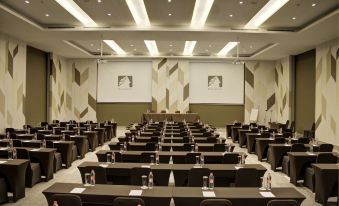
[(33, 172), (190, 158), (3, 191), (128, 201), (66, 200), (325, 148), (177, 112), (188, 147), (298, 147), (195, 176), (163, 111), (247, 177), (150, 146), (219, 147), (279, 140), (230, 158), (17, 143), (282, 203), (57, 156), (322, 158), (303, 140), (136, 174), (216, 202), (100, 174), (145, 157)]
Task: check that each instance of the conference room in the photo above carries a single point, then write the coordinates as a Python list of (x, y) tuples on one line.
[(169, 102)]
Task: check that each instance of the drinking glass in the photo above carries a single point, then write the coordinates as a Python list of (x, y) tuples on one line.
[(87, 179), (10, 154), (152, 159), (204, 182), (109, 158), (197, 160), (144, 182)]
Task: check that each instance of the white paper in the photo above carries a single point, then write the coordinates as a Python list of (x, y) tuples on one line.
[(238, 167), (135, 193), (208, 193), (56, 142), (4, 148), (34, 150), (267, 194), (103, 165), (310, 153), (77, 190), (146, 166), (1, 162)]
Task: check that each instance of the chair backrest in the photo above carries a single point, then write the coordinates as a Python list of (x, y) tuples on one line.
[(326, 158), (265, 135), (10, 130), (22, 153), (298, 147), (216, 202), (247, 177), (163, 111), (279, 140), (136, 174), (292, 127), (303, 140), (67, 200), (195, 176), (191, 157), (150, 146), (100, 174), (145, 157), (188, 147), (219, 147), (178, 112), (282, 203), (230, 158), (17, 143), (128, 201), (287, 123), (325, 148)]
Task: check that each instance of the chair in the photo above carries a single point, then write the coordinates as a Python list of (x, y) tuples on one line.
[(282, 203), (100, 174), (303, 140), (195, 176), (177, 112), (216, 202), (3, 191), (247, 177), (163, 111), (145, 157), (325, 148), (219, 147), (66, 200), (33, 172), (298, 147), (188, 146), (10, 130), (191, 157), (136, 174), (57, 156), (17, 143), (279, 140), (230, 158), (150, 146), (323, 158), (128, 201)]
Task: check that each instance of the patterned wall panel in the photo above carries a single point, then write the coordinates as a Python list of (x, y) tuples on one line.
[(12, 83), (170, 85), (260, 90), (327, 94)]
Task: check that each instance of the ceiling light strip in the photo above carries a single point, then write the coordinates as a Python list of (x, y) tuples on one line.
[(201, 11), (139, 13), (228, 47), (189, 47), (265, 13), (77, 12), (152, 47), (113, 45)]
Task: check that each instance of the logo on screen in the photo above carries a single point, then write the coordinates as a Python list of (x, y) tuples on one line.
[(214, 82), (125, 82)]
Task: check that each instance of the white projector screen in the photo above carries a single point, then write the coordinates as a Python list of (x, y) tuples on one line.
[(216, 83), (124, 82)]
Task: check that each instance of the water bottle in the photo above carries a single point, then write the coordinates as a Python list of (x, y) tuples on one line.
[(268, 181), (29, 130), (211, 181), (63, 138), (7, 135), (125, 146), (92, 177), (10, 143), (53, 130), (43, 143), (55, 203), (150, 180), (157, 158), (78, 130), (196, 148), (113, 157), (14, 153), (311, 146), (160, 147), (202, 160)]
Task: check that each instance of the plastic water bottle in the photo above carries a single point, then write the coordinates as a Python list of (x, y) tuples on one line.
[(196, 148), (43, 143), (150, 180), (160, 147), (14, 153), (10, 143), (211, 181), (268, 181), (63, 138), (157, 158), (7, 135), (78, 130), (92, 177), (113, 157), (29, 130), (125, 146), (202, 160)]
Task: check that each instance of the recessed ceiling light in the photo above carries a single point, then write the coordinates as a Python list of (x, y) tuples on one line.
[(27, 2), (109, 14), (251, 46), (294, 18), (169, 1), (139, 12), (210, 45), (200, 13), (265, 13), (115, 46), (241, 2), (314, 4), (169, 14), (206, 50), (47, 15), (170, 45), (92, 44), (231, 15), (152, 47), (132, 45), (228, 47), (135, 49), (189, 47), (99, 1), (98, 49)]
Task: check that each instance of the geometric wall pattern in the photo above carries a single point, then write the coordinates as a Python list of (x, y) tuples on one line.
[(327, 92), (12, 83), (170, 85), (73, 89)]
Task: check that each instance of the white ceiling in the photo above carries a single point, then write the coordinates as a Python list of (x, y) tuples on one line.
[(278, 37)]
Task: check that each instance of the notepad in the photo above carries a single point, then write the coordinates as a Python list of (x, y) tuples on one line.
[(103, 165), (135, 193), (4, 148), (310, 153), (78, 190), (208, 193), (56, 142), (267, 194), (2, 162), (34, 150), (146, 166)]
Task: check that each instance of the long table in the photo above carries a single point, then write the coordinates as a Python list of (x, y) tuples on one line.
[(161, 196), (176, 117), (326, 179)]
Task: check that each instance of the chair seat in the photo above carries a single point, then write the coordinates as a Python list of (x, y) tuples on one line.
[(3, 191), (34, 175), (57, 161), (309, 180), (286, 165), (74, 153)]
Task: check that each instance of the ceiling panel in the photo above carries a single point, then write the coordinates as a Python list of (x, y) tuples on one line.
[(118, 10), (37, 9), (302, 10), (241, 13)]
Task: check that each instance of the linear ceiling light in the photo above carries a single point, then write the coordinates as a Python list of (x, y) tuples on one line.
[(189, 47), (229, 46), (200, 13), (139, 13), (77, 12), (152, 47), (115, 47), (265, 13)]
